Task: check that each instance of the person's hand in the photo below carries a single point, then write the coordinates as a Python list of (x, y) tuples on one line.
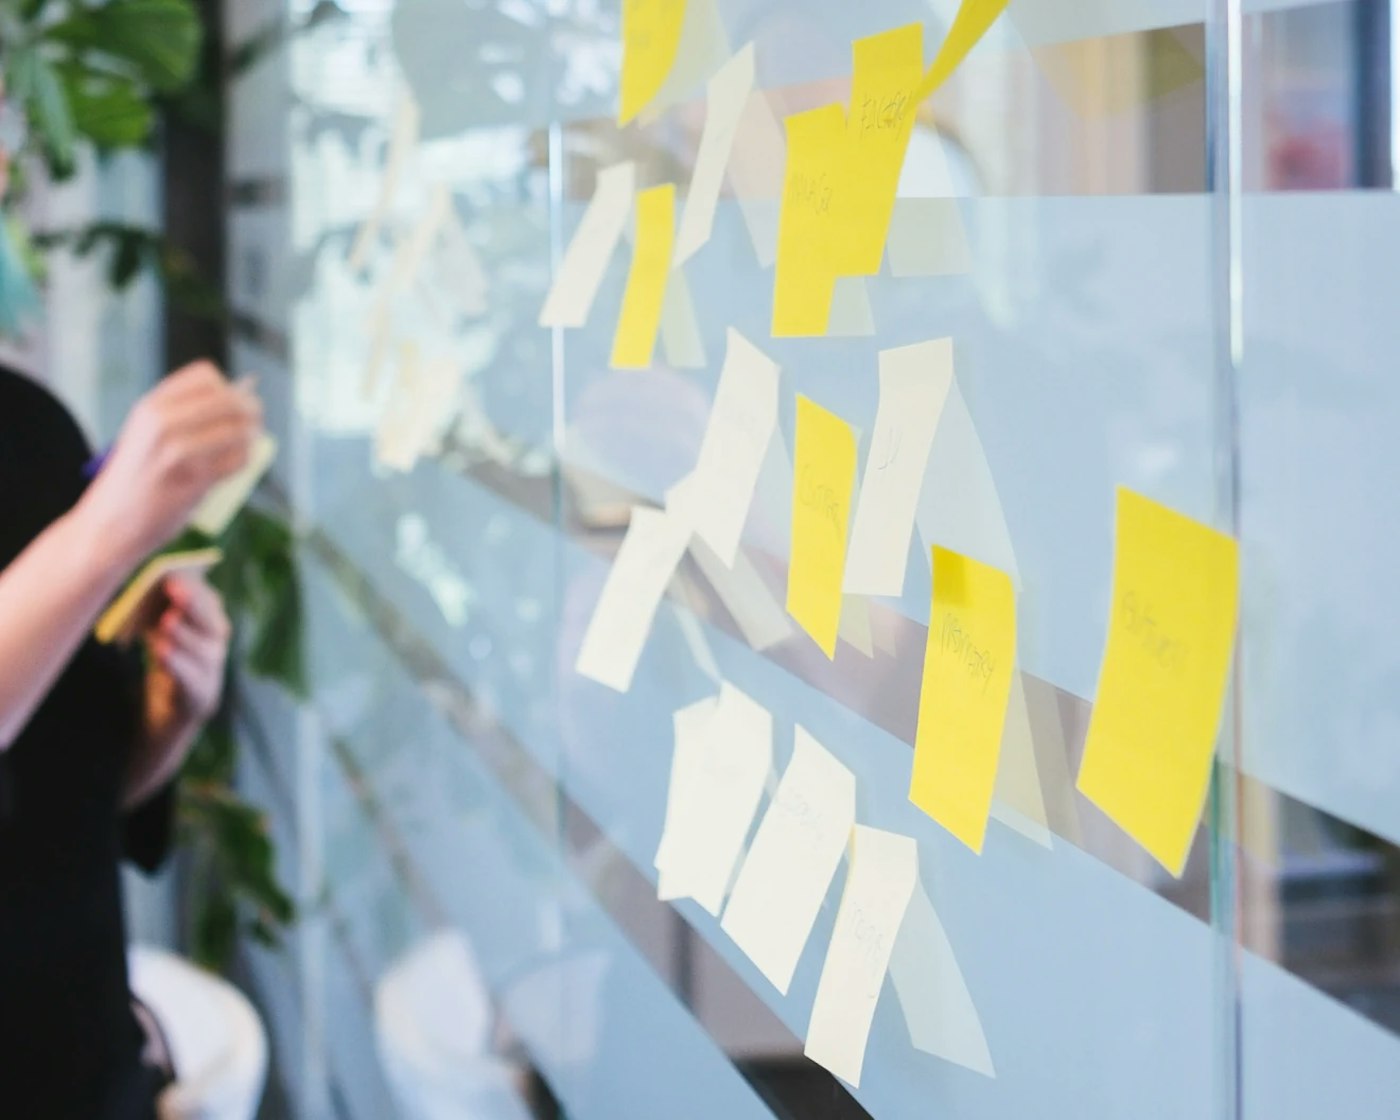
[(188, 433)]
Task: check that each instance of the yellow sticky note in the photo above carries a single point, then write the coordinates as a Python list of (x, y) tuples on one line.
[(824, 475), (140, 602), (645, 296), (651, 37), (887, 69), (969, 25), (1171, 630), (805, 279), (968, 666)]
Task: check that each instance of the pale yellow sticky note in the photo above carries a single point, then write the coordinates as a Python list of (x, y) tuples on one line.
[(855, 628), (973, 20), (741, 426), (136, 605), (621, 621), (884, 868), (914, 383), (1018, 800), (722, 763), (408, 262), (824, 474), (933, 993), (222, 503), (879, 121), (968, 666), (728, 96), (787, 873), (645, 295), (1166, 664), (805, 277), (651, 36), (586, 259), (394, 441), (403, 139), (688, 727)]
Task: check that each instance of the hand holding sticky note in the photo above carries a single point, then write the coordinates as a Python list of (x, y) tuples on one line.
[(1171, 632), (138, 606), (968, 665)]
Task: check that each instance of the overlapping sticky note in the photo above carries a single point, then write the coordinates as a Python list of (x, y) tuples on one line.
[(742, 421), (914, 383), (729, 92), (974, 19), (805, 277), (621, 621), (403, 139), (222, 503), (139, 603), (788, 870), (879, 122), (1166, 665), (883, 871), (824, 474), (586, 259), (645, 294), (724, 748), (651, 38), (968, 665)]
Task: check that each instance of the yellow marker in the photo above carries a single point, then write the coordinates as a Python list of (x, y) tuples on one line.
[(645, 296), (651, 38), (824, 474), (1147, 760), (805, 279), (878, 126), (969, 25), (968, 665)]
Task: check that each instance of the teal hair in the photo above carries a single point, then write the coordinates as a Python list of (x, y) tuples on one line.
[(19, 300)]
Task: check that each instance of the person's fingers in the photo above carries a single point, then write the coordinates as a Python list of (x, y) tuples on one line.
[(202, 409), (199, 605), (193, 378), (210, 449), (204, 647), (198, 680)]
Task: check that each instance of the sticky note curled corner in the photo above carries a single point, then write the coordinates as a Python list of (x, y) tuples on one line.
[(134, 607), (788, 870), (651, 38), (644, 298), (719, 769), (968, 667), (883, 871), (1166, 665), (222, 503), (622, 619), (824, 472), (585, 261)]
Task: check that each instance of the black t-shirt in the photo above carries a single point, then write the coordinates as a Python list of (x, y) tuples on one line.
[(68, 1041)]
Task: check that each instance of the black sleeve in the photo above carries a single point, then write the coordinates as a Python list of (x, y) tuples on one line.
[(149, 831)]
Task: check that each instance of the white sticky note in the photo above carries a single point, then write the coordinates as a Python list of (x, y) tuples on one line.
[(884, 868), (1018, 800), (393, 435), (403, 139), (757, 162), (408, 262), (680, 330), (586, 259), (380, 336), (742, 421), (728, 96), (914, 383), (927, 238), (788, 870), (933, 993), (722, 762), (223, 502), (855, 628), (688, 726), (622, 619), (760, 615)]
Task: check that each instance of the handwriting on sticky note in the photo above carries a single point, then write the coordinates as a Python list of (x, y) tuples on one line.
[(720, 765), (968, 665), (586, 260), (788, 870), (824, 470), (805, 277), (623, 617), (914, 384), (884, 868), (1166, 664), (651, 36), (645, 295)]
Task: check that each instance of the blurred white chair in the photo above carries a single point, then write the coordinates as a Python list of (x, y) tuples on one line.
[(433, 1020), (216, 1039)]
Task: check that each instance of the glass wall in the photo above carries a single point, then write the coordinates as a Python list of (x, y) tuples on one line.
[(1142, 244)]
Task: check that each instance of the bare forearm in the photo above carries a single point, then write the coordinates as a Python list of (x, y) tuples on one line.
[(49, 598)]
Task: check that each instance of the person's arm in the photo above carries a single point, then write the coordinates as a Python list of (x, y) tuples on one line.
[(187, 434)]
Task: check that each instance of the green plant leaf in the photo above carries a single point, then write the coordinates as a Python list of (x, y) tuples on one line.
[(35, 84), (159, 39), (111, 112)]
